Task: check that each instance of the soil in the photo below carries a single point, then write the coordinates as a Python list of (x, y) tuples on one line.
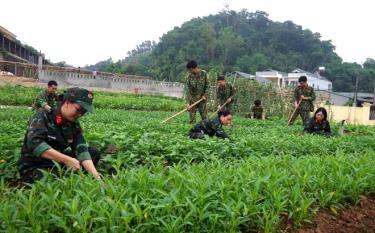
[(354, 219), (30, 82), (14, 80)]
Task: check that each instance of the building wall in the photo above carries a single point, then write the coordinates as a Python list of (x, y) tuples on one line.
[(272, 76), (316, 83), (352, 115)]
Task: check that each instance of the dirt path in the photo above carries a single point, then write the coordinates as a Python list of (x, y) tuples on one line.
[(352, 219), (30, 82), (14, 80)]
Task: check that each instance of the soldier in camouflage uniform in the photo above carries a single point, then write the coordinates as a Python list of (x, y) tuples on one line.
[(318, 124), (197, 86), (305, 93), (257, 110), (212, 127), (224, 92), (57, 136), (47, 99)]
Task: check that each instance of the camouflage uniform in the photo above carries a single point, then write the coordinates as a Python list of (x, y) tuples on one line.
[(306, 106), (223, 94), (315, 128), (197, 86), (48, 130), (210, 127), (257, 112), (44, 98)]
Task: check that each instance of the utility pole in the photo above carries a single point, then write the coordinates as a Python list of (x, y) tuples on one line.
[(355, 92), (372, 107)]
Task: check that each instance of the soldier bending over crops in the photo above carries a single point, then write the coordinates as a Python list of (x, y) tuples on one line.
[(57, 136), (47, 99), (212, 127), (318, 124)]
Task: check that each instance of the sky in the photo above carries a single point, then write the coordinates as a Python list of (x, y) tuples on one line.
[(82, 32)]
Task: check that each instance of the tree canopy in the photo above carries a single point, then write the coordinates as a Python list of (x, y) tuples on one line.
[(243, 41)]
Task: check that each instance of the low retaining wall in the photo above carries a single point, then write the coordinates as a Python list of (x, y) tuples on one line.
[(127, 83)]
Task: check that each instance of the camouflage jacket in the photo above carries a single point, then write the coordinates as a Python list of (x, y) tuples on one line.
[(257, 112), (317, 128), (211, 128), (224, 93), (43, 98), (306, 105), (196, 86), (49, 130)]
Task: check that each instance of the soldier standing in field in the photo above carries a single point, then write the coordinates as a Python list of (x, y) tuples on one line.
[(197, 86), (257, 110), (57, 136), (47, 99), (304, 95), (224, 93)]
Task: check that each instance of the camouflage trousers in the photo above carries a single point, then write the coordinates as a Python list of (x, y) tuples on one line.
[(202, 108), (34, 173), (305, 115)]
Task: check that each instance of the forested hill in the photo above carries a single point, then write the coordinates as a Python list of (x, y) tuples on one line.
[(243, 41)]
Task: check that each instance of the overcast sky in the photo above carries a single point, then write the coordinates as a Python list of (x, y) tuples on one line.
[(85, 32)]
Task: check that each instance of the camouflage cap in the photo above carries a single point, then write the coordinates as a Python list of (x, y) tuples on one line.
[(80, 96)]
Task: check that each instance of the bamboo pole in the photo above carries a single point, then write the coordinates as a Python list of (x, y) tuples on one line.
[(221, 107), (182, 111), (294, 112)]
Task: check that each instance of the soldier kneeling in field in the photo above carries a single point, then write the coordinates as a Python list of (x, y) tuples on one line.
[(57, 136), (212, 127), (318, 124), (256, 110)]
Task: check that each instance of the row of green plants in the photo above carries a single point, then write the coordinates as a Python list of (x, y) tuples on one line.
[(141, 140), (266, 173), (249, 195), (21, 95), (277, 103)]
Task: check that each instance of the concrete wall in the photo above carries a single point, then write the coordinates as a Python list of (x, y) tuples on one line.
[(352, 115), (127, 83)]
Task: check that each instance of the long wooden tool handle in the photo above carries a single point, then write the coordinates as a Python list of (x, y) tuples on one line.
[(291, 116), (182, 111), (221, 107)]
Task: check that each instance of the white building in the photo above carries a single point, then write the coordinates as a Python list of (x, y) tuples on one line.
[(315, 80), (275, 76), (257, 78)]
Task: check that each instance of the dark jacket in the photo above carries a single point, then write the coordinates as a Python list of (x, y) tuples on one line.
[(208, 127), (46, 131), (314, 127)]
